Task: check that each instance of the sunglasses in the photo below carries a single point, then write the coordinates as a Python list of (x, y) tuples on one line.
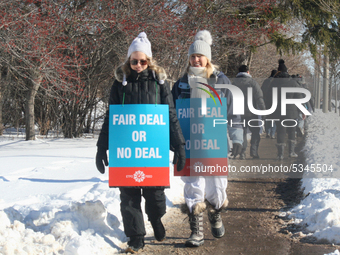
[(135, 62)]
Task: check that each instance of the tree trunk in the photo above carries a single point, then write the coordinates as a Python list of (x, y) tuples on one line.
[(94, 119), (318, 91), (1, 104), (29, 109), (250, 58), (336, 95), (325, 84)]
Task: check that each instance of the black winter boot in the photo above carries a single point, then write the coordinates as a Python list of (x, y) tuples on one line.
[(196, 238), (254, 149), (243, 154), (158, 229), (217, 227), (280, 150), (291, 146), (135, 244)]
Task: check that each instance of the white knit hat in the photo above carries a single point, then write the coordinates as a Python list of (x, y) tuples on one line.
[(201, 45), (142, 44)]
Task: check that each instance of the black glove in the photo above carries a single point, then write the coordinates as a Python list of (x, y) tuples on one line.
[(100, 158), (237, 148), (179, 157)]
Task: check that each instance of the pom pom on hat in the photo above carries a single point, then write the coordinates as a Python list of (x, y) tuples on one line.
[(201, 45), (205, 36), (140, 43), (282, 67)]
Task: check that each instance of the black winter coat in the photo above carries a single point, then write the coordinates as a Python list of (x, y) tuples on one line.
[(265, 87), (281, 80), (245, 81), (142, 88)]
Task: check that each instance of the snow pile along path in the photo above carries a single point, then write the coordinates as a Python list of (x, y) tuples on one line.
[(54, 201), (319, 211)]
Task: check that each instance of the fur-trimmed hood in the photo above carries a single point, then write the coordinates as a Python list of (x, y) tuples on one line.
[(159, 76)]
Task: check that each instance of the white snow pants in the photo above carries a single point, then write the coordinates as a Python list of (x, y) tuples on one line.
[(212, 188)]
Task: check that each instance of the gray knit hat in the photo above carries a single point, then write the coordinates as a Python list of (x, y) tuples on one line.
[(142, 44), (201, 45)]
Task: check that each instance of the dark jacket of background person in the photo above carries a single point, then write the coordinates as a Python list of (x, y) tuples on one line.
[(142, 88), (266, 85), (244, 81), (282, 80)]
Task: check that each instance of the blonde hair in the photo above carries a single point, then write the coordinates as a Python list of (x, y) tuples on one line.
[(152, 65), (209, 69)]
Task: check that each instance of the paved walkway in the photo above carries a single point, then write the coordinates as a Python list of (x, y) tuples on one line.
[(253, 223)]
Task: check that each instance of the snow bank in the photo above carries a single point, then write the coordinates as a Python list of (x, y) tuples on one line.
[(54, 201), (319, 211), (71, 228)]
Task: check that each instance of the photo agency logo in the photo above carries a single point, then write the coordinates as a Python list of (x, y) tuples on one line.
[(204, 96), (238, 104), (204, 109)]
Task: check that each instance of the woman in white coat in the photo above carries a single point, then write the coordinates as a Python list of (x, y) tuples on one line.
[(206, 192)]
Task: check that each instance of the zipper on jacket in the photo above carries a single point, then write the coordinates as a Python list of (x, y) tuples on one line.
[(156, 92), (124, 83), (123, 96)]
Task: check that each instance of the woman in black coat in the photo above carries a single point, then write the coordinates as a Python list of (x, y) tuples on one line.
[(140, 81)]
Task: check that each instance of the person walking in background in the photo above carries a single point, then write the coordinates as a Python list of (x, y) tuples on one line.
[(244, 81), (141, 81), (283, 79), (270, 126), (197, 189)]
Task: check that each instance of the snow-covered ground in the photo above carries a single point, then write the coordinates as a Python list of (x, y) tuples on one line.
[(54, 201), (319, 211)]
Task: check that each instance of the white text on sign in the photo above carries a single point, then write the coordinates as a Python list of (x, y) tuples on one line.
[(190, 113), (139, 153), (144, 119)]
